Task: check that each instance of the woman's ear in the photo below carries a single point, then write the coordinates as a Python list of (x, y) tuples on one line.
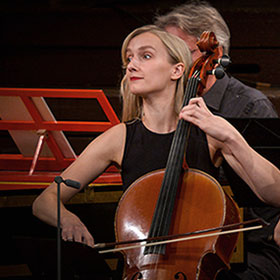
[(177, 71)]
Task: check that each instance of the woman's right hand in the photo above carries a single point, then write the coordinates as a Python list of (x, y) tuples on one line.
[(72, 229)]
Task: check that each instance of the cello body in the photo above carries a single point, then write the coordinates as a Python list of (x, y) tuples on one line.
[(200, 204)]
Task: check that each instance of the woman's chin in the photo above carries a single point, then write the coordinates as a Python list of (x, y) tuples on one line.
[(137, 92)]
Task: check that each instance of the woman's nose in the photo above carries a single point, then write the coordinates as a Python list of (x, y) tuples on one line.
[(132, 65)]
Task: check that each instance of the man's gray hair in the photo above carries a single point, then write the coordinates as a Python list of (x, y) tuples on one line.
[(194, 17)]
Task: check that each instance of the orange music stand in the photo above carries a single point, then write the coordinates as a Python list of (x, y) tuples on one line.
[(44, 149)]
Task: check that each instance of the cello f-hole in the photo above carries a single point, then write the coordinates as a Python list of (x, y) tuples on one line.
[(177, 276)]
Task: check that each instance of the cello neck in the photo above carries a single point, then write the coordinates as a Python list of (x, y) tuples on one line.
[(166, 201)]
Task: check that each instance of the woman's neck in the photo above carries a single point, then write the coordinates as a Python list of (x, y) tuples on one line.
[(159, 116)]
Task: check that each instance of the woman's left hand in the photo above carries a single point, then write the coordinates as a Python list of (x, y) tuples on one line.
[(197, 113)]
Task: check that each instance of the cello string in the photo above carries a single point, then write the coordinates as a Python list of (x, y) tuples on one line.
[(169, 176), (156, 228), (182, 134), (160, 217), (176, 162), (168, 195)]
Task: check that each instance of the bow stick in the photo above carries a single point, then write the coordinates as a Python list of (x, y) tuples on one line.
[(181, 237)]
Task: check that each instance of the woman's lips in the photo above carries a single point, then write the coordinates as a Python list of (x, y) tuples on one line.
[(135, 78)]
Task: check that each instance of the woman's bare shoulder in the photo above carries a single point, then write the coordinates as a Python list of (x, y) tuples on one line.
[(117, 131), (113, 141)]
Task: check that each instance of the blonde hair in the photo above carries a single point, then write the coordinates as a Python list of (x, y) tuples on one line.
[(195, 17), (178, 52)]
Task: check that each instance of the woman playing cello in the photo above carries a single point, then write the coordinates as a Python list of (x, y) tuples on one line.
[(157, 65)]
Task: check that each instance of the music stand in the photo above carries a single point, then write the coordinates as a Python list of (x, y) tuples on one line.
[(13, 108)]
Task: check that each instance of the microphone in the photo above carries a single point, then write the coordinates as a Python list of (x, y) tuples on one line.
[(72, 183), (68, 182)]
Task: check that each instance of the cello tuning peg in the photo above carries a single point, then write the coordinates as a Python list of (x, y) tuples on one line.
[(224, 60), (219, 72)]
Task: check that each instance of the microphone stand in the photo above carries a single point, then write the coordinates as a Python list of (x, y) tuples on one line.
[(72, 184), (58, 180)]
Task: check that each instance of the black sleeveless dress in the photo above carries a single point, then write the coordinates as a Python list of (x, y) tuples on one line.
[(146, 151)]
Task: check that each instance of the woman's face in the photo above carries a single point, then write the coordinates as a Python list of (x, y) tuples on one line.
[(148, 67)]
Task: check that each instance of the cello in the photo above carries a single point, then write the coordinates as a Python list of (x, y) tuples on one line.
[(175, 200)]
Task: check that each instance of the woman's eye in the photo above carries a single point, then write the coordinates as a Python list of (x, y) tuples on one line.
[(128, 59), (147, 56)]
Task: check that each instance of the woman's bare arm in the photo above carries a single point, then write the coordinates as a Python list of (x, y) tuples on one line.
[(100, 153), (260, 174)]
